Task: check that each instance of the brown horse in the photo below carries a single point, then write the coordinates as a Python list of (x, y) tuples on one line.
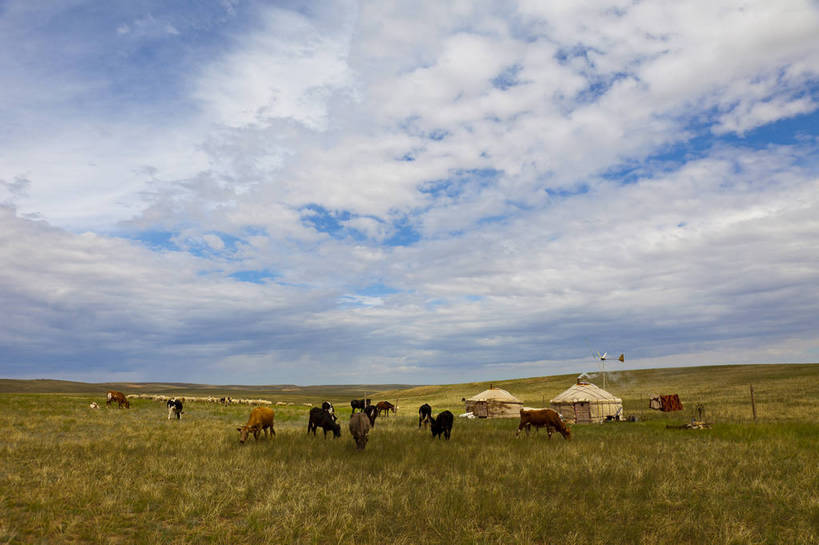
[(385, 406)]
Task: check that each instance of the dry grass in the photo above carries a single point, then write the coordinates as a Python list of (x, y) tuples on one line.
[(69, 474)]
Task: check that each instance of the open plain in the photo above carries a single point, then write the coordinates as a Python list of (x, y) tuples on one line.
[(71, 474)]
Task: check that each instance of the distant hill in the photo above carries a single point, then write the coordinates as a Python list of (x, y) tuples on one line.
[(626, 384), (781, 390), (284, 391)]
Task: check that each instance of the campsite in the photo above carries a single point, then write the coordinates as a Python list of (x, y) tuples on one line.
[(71, 474)]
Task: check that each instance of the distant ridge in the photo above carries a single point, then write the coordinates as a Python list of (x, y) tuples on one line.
[(51, 386), (619, 379)]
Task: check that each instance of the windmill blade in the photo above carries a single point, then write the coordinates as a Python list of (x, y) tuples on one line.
[(604, 355)]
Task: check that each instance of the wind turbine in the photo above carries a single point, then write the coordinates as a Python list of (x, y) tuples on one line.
[(603, 357)]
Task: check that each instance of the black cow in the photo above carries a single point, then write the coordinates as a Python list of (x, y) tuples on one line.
[(442, 424), (424, 415), (359, 404), (319, 418), (328, 408), (372, 412), (174, 408)]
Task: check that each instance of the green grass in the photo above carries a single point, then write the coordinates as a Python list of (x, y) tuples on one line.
[(69, 474)]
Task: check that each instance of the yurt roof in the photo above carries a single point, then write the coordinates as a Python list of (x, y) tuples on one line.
[(585, 391), (495, 394)]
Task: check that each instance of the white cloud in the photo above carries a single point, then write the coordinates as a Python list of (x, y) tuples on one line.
[(492, 134), (288, 69)]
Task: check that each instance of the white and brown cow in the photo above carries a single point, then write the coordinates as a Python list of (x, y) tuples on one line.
[(543, 418), (119, 398)]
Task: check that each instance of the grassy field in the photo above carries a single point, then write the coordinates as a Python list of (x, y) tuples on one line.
[(69, 474)]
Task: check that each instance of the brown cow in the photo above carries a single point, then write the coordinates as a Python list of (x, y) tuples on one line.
[(261, 418), (359, 428), (543, 418), (119, 397)]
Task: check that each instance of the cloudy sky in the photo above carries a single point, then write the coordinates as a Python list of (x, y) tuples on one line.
[(420, 192)]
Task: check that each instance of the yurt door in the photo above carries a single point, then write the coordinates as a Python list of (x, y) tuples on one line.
[(481, 409), (582, 412)]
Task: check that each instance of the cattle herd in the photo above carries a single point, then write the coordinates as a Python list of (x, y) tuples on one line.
[(361, 422)]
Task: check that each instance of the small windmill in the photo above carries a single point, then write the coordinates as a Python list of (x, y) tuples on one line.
[(603, 358)]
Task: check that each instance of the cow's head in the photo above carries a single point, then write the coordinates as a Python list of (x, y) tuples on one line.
[(336, 430), (246, 430)]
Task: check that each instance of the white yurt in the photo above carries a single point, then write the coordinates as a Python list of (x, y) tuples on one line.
[(585, 403), (494, 403)]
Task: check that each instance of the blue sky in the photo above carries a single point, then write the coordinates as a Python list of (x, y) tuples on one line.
[(348, 192)]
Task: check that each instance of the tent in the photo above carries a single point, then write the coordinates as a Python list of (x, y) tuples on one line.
[(584, 403), (665, 403), (494, 403)]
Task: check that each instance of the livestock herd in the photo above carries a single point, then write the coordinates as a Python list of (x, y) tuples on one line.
[(261, 419)]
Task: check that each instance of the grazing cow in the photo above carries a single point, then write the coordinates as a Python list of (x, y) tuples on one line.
[(175, 408), (543, 418), (328, 408), (319, 418), (359, 428), (119, 397), (424, 415), (442, 424), (372, 413), (360, 404), (385, 407), (261, 418)]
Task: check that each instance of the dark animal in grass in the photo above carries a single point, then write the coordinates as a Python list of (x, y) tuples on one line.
[(359, 404), (543, 418), (442, 425), (424, 415), (384, 407), (261, 419), (319, 418), (174, 408), (359, 428), (372, 413), (119, 398), (328, 407)]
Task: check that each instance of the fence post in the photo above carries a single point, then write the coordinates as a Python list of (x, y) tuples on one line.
[(753, 403)]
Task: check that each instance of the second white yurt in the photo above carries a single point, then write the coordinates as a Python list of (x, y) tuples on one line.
[(586, 403)]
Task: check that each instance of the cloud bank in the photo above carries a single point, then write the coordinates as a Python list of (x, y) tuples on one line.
[(255, 193)]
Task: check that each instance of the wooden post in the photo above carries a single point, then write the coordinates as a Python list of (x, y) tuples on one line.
[(753, 403)]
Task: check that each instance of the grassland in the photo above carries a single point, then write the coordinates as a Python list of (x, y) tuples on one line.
[(69, 474)]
